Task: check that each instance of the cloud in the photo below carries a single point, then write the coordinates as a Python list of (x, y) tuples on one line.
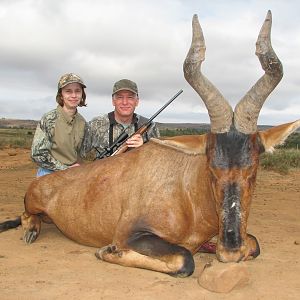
[(145, 41)]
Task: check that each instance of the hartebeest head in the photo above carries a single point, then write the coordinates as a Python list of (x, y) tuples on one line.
[(234, 144)]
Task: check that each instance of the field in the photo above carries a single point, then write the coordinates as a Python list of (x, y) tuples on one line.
[(55, 267), (16, 137)]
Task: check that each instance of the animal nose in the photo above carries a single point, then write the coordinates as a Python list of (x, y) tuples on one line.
[(229, 256)]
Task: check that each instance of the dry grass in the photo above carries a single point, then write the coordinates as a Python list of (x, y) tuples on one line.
[(16, 138)]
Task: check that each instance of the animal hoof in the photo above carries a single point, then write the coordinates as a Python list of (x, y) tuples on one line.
[(30, 236), (99, 253), (105, 250)]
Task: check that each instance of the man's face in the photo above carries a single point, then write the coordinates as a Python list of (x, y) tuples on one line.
[(71, 95), (125, 103)]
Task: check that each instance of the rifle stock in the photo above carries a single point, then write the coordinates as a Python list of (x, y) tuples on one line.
[(124, 147)]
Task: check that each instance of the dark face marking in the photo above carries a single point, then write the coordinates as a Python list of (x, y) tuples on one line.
[(233, 161), (231, 217), (232, 149)]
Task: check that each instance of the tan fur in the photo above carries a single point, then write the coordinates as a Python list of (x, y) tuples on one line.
[(164, 187), (129, 258), (102, 201), (189, 144), (277, 135)]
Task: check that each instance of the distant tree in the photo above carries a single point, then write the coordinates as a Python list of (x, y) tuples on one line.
[(181, 131)]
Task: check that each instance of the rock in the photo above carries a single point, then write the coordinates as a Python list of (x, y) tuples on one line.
[(297, 242), (223, 277), (12, 153)]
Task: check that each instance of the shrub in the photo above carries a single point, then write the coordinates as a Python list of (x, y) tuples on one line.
[(15, 138), (181, 131), (282, 160), (293, 141)]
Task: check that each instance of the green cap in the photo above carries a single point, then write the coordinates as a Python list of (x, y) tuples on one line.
[(125, 84), (69, 78)]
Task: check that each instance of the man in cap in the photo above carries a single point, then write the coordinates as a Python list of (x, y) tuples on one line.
[(58, 137), (104, 130)]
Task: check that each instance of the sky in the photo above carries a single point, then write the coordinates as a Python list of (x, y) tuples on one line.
[(145, 41)]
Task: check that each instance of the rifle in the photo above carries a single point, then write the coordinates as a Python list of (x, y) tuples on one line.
[(120, 146)]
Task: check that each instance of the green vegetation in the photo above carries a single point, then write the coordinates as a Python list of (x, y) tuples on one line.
[(293, 141), (16, 137), (181, 131), (282, 160)]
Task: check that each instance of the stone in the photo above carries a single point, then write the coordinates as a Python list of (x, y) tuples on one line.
[(223, 277)]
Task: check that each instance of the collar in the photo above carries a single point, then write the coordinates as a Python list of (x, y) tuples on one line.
[(69, 119), (112, 120)]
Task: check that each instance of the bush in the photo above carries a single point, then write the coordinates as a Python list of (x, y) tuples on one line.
[(181, 131), (282, 160), (293, 141), (15, 138)]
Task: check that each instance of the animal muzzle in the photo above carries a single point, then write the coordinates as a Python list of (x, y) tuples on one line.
[(225, 255), (248, 250)]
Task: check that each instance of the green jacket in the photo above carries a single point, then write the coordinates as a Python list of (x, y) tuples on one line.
[(100, 136), (58, 151)]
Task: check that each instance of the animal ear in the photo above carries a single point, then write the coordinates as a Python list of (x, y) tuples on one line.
[(190, 144), (277, 135)]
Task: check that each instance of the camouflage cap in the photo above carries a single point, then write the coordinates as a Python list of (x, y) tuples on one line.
[(125, 84), (69, 78)]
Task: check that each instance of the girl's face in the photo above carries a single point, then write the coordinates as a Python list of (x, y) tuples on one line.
[(71, 95)]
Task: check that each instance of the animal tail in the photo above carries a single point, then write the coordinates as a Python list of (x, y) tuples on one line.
[(10, 224)]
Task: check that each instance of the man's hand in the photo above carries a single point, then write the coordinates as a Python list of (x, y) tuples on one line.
[(135, 141), (75, 165)]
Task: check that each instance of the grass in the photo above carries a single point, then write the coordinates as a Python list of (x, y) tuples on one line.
[(16, 138), (282, 160)]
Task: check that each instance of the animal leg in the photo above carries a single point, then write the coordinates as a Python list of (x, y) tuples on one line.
[(10, 224), (32, 226), (148, 251)]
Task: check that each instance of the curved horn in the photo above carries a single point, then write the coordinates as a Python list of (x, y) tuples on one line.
[(247, 110), (219, 110)]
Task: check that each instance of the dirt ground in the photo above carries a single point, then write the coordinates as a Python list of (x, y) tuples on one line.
[(55, 267)]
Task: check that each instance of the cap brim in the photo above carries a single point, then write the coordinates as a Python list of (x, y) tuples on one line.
[(125, 89), (73, 82)]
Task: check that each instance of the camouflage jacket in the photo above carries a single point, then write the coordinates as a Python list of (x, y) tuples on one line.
[(43, 140), (100, 136)]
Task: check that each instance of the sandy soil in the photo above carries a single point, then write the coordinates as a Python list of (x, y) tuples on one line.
[(56, 268)]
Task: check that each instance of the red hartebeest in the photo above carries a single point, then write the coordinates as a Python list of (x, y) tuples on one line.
[(154, 207)]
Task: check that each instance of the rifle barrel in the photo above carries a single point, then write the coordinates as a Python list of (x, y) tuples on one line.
[(162, 108)]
